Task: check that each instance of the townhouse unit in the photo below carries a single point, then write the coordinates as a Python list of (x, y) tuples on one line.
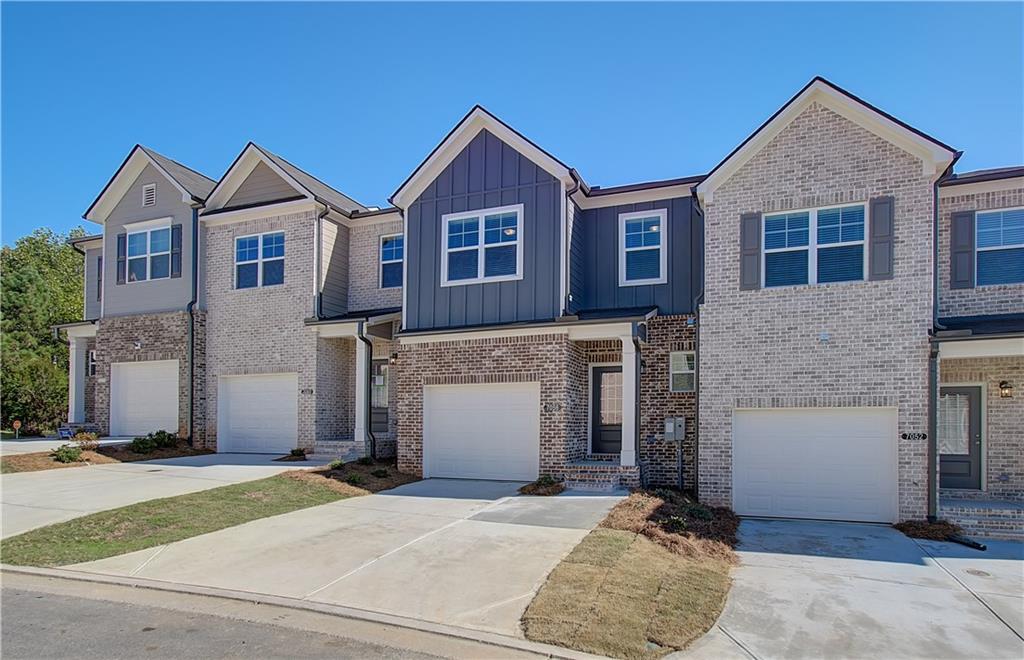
[(828, 325)]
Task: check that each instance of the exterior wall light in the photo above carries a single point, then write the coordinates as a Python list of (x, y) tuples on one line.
[(393, 359), (1006, 389)]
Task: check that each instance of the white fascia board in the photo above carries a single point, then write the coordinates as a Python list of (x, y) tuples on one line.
[(468, 129), (256, 212), (80, 331), (339, 329), (482, 334), (996, 185), (982, 348), (240, 170), (394, 216), (634, 197), (934, 158), (601, 331), (123, 181)]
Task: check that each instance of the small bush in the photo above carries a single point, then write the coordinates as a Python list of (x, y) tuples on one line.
[(164, 440), (67, 454), (380, 473), (355, 480), (86, 441), (298, 452), (336, 464), (143, 445), (365, 460), (546, 480)]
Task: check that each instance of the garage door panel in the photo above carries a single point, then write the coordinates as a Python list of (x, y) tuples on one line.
[(837, 463), (482, 431), (257, 413), (143, 397)]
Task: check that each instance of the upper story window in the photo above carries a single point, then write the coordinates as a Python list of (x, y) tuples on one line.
[(259, 260), (682, 371), (392, 251), (643, 254), (1000, 246), (482, 246), (814, 247), (149, 194), (149, 255)]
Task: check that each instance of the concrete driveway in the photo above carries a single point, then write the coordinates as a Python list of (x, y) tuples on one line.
[(36, 499), (463, 553), (35, 445), (836, 590)]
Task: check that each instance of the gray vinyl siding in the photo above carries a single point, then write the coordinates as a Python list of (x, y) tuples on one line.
[(262, 185), (577, 261), (152, 295), (334, 257), (601, 288), (92, 303), (487, 173)]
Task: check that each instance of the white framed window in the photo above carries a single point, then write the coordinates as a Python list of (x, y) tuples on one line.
[(392, 252), (482, 246), (643, 247), (149, 194), (814, 246), (682, 372), (149, 254), (92, 363), (259, 260), (999, 243)]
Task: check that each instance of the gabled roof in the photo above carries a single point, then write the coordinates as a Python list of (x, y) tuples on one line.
[(935, 155), (194, 187), (978, 176), (477, 119), (305, 184)]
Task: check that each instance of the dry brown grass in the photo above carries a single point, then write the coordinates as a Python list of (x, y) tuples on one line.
[(651, 579), (939, 530), (103, 455), (364, 480)]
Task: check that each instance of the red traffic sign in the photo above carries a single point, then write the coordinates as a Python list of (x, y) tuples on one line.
[(16, 424)]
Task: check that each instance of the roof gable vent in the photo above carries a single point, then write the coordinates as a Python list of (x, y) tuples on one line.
[(149, 194)]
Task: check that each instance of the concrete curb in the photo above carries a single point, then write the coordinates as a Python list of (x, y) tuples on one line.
[(493, 639)]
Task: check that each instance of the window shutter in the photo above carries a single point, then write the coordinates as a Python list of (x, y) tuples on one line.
[(750, 251), (961, 250), (880, 243), (122, 257), (175, 250), (99, 279)]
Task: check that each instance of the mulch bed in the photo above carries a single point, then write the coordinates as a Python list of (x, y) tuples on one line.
[(291, 458), (355, 478), (544, 489), (939, 530)]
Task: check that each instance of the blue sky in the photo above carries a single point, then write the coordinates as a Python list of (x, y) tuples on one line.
[(359, 94)]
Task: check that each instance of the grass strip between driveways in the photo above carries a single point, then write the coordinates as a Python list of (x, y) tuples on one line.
[(156, 522)]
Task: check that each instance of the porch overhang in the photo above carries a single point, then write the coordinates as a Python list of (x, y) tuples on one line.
[(994, 335)]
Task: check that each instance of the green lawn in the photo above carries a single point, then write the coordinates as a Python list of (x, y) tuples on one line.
[(157, 522)]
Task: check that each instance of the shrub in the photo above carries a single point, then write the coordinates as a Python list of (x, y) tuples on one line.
[(86, 441), (143, 445), (380, 473), (336, 464), (67, 454), (365, 460), (546, 480), (298, 452), (164, 440), (355, 480)]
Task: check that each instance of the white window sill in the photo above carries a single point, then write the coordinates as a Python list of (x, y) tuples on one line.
[(481, 280), (660, 280)]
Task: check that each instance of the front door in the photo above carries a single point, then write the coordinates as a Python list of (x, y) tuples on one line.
[(959, 437), (379, 397), (606, 410)]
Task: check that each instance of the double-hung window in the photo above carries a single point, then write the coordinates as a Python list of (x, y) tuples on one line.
[(259, 260), (149, 254), (1000, 246), (392, 250), (482, 246), (682, 371), (643, 252), (815, 246)]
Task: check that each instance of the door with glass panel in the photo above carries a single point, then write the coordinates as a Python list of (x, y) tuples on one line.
[(606, 410), (959, 437), (379, 397)]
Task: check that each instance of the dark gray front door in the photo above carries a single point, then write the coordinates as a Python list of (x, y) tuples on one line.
[(959, 437), (606, 410)]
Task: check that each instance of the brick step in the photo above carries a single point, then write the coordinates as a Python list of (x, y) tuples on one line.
[(600, 475), (997, 519)]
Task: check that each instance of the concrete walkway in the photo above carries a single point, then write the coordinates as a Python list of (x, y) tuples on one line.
[(35, 445), (463, 553), (36, 499), (834, 590)]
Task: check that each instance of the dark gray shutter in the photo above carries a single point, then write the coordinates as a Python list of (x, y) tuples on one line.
[(880, 243), (99, 279), (750, 251), (961, 250), (122, 257), (175, 250)]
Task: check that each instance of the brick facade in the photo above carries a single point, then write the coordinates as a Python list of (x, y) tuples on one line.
[(764, 348), (991, 299), (1003, 419), (364, 268)]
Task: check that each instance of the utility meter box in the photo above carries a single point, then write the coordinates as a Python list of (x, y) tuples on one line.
[(675, 428)]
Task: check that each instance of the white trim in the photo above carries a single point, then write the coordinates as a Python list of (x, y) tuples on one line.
[(257, 212), (259, 260), (576, 333), (79, 331), (477, 120), (663, 245), (381, 262), (690, 371), (812, 246), (996, 248), (90, 363), (481, 246), (405, 270), (146, 189), (590, 399), (148, 229), (633, 197), (123, 181), (934, 158), (983, 388), (392, 216), (996, 185), (243, 166), (974, 348), (144, 225)]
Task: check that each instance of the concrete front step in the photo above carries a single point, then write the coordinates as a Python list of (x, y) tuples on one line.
[(998, 519)]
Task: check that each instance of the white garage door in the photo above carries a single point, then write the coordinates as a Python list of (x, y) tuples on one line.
[(482, 431), (143, 397), (258, 414), (824, 463)]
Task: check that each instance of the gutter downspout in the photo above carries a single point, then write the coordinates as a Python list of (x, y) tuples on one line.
[(360, 334), (697, 301), (636, 403), (568, 242), (191, 309), (318, 240)]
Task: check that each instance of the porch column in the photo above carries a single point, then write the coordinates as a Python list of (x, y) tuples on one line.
[(362, 365), (77, 356), (627, 455)]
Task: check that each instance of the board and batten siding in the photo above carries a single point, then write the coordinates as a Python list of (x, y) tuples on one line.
[(598, 245), (487, 173), (92, 300), (577, 260), (262, 185), (151, 296), (334, 247)]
